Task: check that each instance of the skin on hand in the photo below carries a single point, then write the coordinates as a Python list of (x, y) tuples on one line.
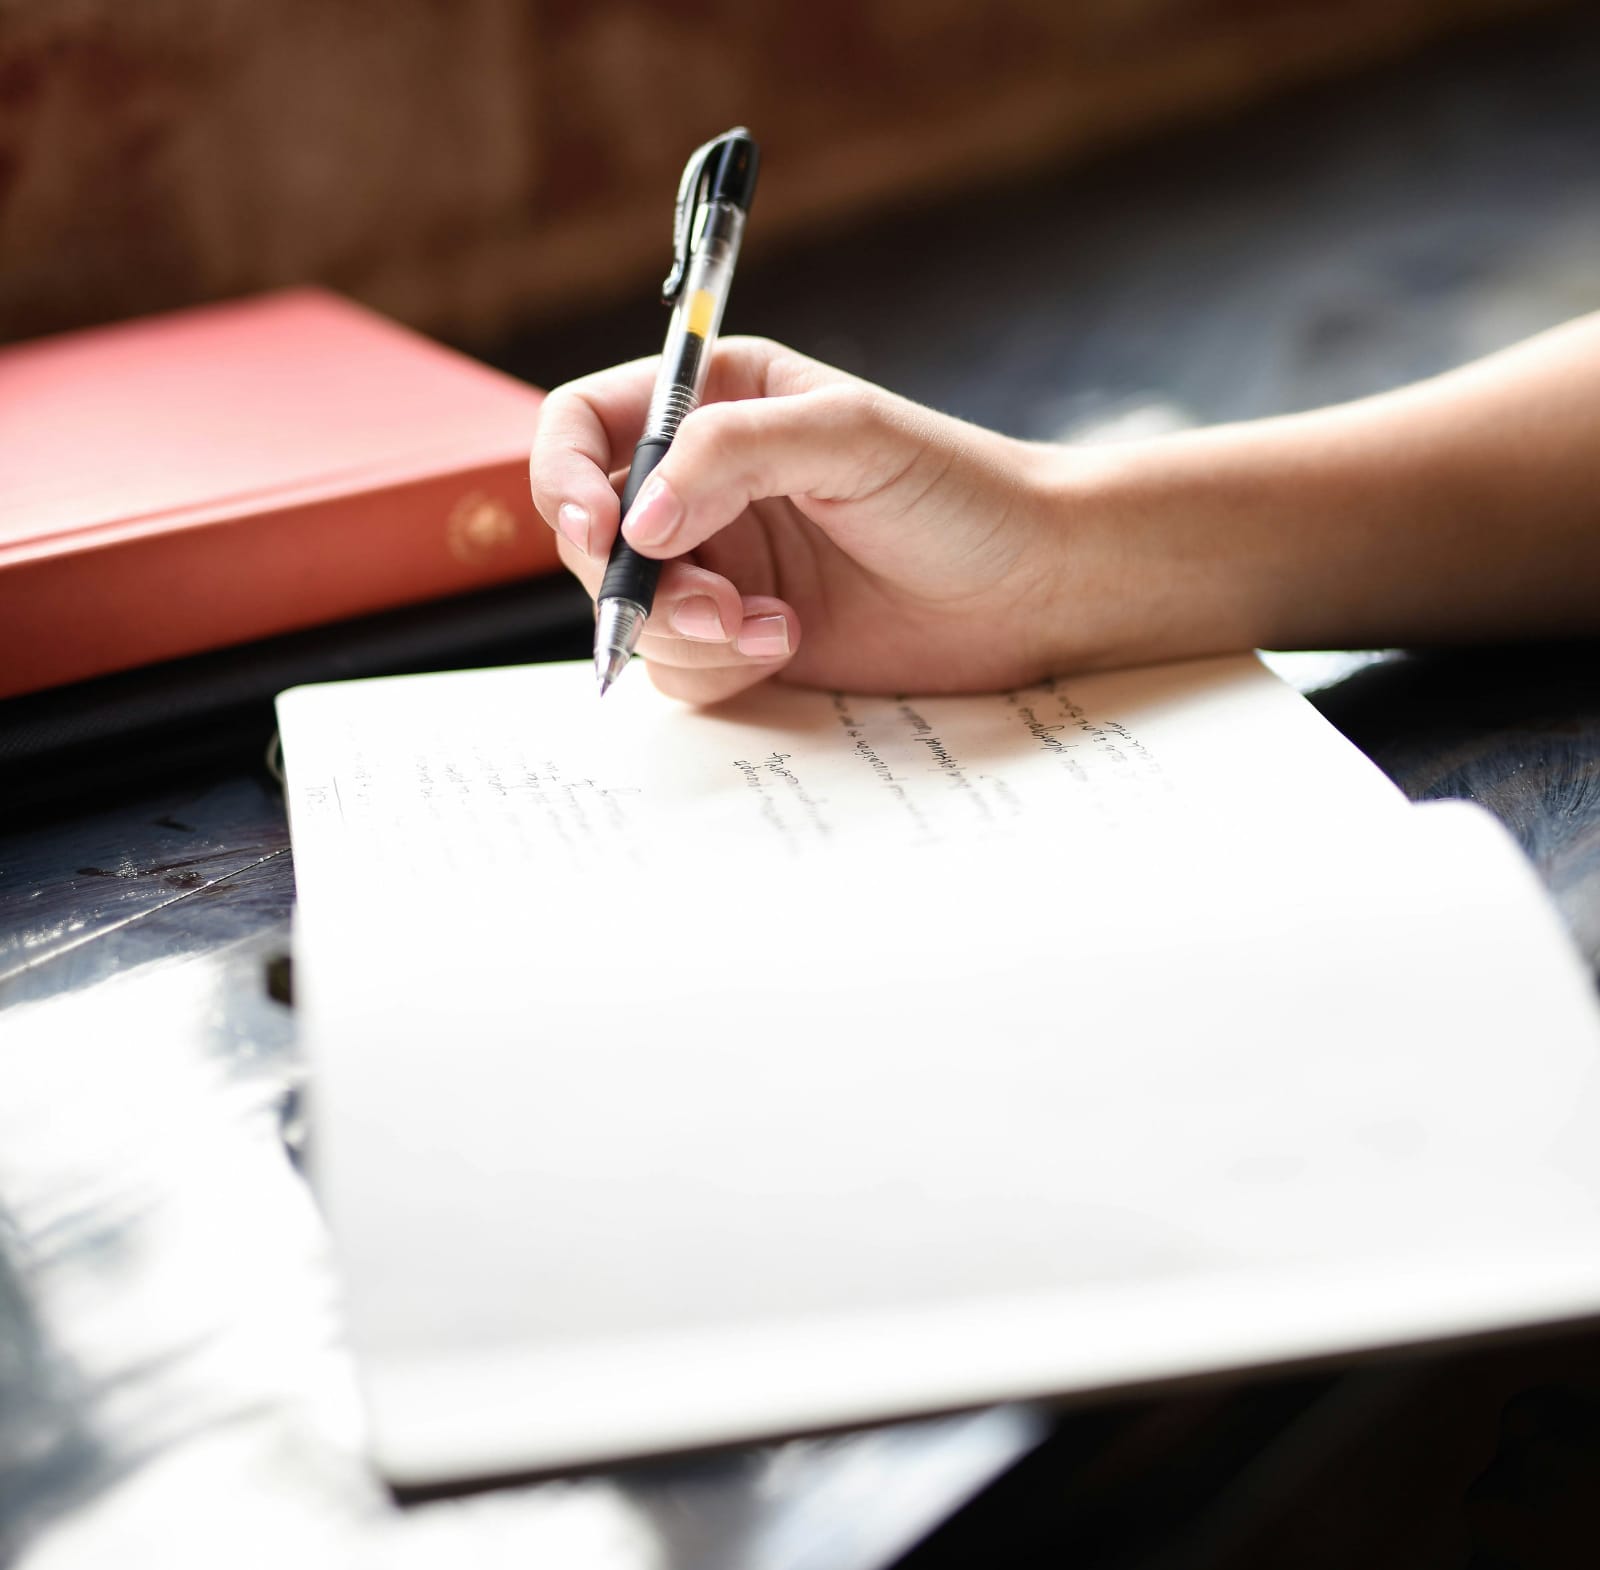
[(821, 530), (814, 526)]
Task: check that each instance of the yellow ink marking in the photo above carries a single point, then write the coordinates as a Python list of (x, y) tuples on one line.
[(700, 311)]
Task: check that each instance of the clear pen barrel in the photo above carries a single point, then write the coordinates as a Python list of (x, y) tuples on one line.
[(696, 319)]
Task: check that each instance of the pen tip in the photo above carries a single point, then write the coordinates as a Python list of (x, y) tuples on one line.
[(609, 663)]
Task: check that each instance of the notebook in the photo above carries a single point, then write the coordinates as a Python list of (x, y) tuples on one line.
[(690, 1077), (208, 477)]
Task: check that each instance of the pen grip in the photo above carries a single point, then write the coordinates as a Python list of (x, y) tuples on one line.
[(630, 576)]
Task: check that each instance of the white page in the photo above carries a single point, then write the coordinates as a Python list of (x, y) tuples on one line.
[(812, 1099), (523, 767)]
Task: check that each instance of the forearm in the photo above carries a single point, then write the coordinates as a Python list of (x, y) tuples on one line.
[(1463, 508)]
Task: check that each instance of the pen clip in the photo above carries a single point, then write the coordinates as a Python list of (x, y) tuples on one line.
[(690, 189)]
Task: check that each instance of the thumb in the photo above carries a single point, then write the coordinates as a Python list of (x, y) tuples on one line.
[(836, 444)]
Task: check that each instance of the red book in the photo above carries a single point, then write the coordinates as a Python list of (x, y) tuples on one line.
[(218, 475)]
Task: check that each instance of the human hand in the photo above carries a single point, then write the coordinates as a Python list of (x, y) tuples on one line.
[(827, 532), (817, 527)]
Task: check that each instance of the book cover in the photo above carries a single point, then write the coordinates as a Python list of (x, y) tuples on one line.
[(217, 475)]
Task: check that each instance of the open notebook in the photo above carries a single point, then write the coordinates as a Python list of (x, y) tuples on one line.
[(687, 1077)]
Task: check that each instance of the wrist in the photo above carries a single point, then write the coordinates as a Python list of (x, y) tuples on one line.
[(1159, 549)]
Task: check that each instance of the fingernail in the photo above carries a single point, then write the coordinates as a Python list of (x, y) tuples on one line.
[(655, 514), (698, 618), (764, 636), (573, 522)]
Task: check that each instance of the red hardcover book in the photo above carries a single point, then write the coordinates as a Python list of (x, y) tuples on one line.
[(218, 475)]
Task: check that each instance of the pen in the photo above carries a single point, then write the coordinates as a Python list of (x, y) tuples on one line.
[(708, 223)]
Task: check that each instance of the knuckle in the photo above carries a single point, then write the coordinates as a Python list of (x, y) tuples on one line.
[(713, 451), (555, 413), (844, 404), (712, 432), (761, 350), (779, 370)]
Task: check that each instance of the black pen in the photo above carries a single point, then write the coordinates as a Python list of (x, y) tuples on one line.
[(708, 223)]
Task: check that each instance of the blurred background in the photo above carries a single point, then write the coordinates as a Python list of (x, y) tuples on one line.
[(1108, 216), (1081, 221)]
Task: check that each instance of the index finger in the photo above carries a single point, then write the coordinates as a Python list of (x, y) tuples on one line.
[(586, 429)]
